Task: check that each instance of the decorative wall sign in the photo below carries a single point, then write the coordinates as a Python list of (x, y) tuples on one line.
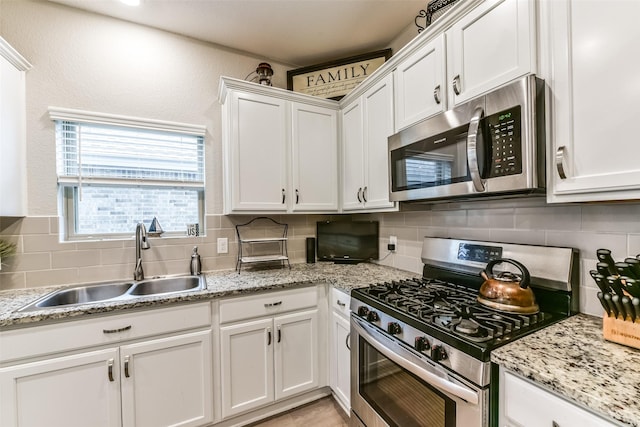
[(335, 79)]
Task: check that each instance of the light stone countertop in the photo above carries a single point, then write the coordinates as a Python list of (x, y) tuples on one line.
[(571, 358), (219, 284)]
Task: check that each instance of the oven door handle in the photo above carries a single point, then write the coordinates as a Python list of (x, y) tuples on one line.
[(440, 383), (472, 150)]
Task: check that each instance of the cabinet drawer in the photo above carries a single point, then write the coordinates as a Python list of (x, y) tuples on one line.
[(59, 337), (340, 302), (267, 304)]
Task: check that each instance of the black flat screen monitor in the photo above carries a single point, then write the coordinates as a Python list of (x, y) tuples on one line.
[(347, 241)]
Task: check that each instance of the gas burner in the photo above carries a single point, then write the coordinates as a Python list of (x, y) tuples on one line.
[(467, 327)]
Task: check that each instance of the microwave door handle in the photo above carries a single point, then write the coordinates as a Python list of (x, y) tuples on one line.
[(472, 150)]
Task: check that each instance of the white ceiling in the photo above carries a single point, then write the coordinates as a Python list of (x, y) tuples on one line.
[(296, 32)]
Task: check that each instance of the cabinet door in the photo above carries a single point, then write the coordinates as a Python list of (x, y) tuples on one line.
[(522, 402), (258, 144), (314, 158), (378, 126), (168, 381), (419, 84), (70, 391), (352, 156), (296, 353), (587, 46), (246, 358), (340, 362), (13, 166), (490, 46)]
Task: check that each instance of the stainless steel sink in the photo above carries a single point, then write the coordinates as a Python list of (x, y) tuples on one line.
[(165, 286), (117, 291)]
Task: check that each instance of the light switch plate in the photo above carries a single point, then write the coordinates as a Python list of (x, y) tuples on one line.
[(223, 245)]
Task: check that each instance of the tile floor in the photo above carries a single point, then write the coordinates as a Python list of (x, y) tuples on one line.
[(321, 413)]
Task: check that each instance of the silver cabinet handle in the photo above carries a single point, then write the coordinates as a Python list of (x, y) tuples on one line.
[(554, 424), (110, 370), (340, 303), (283, 196), (126, 366), (347, 342), (364, 194), (436, 94), (115, 331), (560, 154), (268, 336), (273, 304), (472, 150), (456, 85), (279, 334), (297, 196), (359, 191)]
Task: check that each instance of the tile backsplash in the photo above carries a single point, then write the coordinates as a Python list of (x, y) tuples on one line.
[(42, 260)]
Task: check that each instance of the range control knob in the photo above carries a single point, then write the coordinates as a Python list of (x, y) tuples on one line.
[(363, 311), (421, 344), (372, 316), (394, 328), (438, 353)]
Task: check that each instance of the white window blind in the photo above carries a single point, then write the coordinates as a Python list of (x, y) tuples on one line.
[(116, 171)]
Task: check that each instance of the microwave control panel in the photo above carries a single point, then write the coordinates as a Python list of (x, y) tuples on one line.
[(506, 142)]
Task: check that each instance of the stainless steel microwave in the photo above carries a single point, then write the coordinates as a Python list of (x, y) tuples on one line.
[(493, 145)]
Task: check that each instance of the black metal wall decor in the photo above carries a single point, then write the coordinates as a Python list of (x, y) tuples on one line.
[(435, 9)]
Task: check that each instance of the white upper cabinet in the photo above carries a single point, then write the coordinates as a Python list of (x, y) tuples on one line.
[(13, 161), (367, 122), (280, 150), (490, 46), (589, 62), (314, 162), (419, 84)]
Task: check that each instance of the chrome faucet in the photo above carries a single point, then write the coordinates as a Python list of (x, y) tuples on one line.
[(141, 243)]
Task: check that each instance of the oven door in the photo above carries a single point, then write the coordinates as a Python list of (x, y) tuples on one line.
[(392, 385)]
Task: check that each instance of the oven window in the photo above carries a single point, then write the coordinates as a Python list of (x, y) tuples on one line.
[(399, 397), (432, 162)]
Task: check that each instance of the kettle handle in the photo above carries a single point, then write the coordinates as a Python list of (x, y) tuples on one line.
[(524, 283)]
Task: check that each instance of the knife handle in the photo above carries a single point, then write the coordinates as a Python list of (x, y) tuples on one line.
[(603, 268), (624, 269), (618, 303), (604, 303), (604, 255), (600, 281), (612, 308), (628, 308), (632, 287), (634, 263), (635, 304), (615, 284)]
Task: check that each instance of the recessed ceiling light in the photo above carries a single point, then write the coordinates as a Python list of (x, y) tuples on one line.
[(131, 2)]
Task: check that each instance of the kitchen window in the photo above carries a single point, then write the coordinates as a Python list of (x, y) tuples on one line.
[(115, 171)]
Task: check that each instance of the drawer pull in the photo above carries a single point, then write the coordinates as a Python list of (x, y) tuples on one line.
[(126, 366), (554, 424), (110, 370), (340, 303), (347, 341), (456, 85), (561, 153), (279, 334), (273, 304), (114, 331), (436, 94), (268, 336)]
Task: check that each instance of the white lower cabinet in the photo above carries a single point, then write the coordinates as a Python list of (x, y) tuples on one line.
[(166, 381), (340, 352), (272, 353), (524, 404)]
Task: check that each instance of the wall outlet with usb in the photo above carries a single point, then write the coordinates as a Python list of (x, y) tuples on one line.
[(393, 242)]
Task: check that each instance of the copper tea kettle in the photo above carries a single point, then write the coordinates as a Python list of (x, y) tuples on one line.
[(507, 291)]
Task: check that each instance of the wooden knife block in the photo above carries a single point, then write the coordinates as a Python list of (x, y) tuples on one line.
[(621, 331)]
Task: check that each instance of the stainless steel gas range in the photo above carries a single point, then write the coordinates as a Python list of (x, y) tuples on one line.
[(421, 348)]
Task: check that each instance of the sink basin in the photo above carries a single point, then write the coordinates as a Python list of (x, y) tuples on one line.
[(84, 295), (165, 286), (118, 291)]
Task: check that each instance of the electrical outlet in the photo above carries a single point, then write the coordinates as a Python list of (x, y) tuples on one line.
[(393, 240), (223, 245)]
